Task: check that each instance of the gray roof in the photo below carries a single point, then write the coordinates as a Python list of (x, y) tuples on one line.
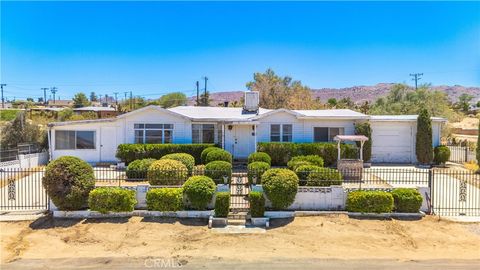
[(216, 113), (401, 118), (338, 113)]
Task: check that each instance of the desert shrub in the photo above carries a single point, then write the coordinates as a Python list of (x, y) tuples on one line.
[(218, 155), (137, 169), (324, 177), (167, 172), (187, 160), (407, 200), (441, 154), (257, 204), (206, 151), (222, 204), (311, 159), (370, 201), (198, 170), (259, 156), (129, 152), (68, 181), (199, 191), (218, 170), (280, 186), (256, 170), (112, 199), (165, 199), (303, 171), (423, 143)]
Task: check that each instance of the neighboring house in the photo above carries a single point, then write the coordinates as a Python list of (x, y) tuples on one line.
[(238, 130), (102, 112)]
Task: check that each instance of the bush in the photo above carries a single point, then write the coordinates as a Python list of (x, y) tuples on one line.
[(218, 155), (281, 153), (294, 164), (407, 200), (312, 159), (303, 171), (199, 170), (165, 199), (112, 199), (370, 201), (324, 177), (206, 151), (68, 181), (280, 186), (217, 170), (257, 204), (256, 170), (366, 130), (199, 191), (222, 204), (423, 144), (187, 160), (441, 154), (167, 172), (137, 169), (128, 152), (259, 156)]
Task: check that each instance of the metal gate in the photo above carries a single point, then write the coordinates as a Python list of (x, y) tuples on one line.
[(455, 193), (22, 190)]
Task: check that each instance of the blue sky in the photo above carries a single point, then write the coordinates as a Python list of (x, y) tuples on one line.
[(153, 48)]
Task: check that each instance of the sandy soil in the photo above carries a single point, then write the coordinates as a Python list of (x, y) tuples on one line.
[(467, 123), (305, 237)]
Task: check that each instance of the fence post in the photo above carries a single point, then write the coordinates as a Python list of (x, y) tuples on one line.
[(430, 186)]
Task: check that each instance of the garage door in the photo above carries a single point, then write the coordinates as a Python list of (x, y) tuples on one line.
[(392, 142)]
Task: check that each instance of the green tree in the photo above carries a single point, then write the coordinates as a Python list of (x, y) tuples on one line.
[(366, 130), (20, 130), (332, 102), (423, 147), (464, 102), (93, 96), (80, 100), (173, 100), (204, 99)]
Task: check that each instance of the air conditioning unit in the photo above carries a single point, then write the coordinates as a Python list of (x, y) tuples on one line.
[(252, 98)]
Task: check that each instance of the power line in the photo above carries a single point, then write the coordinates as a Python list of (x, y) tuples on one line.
[(416, 78)]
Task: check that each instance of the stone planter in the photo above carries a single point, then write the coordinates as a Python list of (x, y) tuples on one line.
[(351, 169)]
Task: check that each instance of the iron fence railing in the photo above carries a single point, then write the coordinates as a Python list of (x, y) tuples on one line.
[(461, 154)]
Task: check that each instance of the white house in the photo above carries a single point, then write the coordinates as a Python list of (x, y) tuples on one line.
[(237, 130)]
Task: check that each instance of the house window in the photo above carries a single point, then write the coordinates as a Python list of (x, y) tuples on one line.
[(281, 133), (72, 139), (203, 133), (325, 134), (153, 133)]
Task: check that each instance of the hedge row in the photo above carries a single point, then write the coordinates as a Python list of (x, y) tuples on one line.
[(281, 152), (257, 204), (112, 199), (165, 199), (222, 204), (129, 152), (402, 200)]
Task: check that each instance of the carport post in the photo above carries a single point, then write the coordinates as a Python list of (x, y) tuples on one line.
[(338, 150)]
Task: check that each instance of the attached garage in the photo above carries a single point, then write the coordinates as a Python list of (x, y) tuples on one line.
[(393, 137)]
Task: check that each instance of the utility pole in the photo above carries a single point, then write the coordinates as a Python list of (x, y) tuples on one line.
[(205, 92), (106, 99), (54, 90), (416, 77), (198, 93), (116, 100), (131, 103), (125, 94), (3, 100), (44, 95)]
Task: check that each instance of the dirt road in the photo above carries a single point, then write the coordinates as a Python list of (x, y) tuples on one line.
[(191, 242)]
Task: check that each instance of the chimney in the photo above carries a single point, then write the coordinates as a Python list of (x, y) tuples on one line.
[(225, 104), (251, 101)]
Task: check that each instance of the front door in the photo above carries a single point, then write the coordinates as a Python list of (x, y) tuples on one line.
[(108, 144), (243, 141)]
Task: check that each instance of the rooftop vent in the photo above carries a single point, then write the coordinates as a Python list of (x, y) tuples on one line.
[(251, 101)]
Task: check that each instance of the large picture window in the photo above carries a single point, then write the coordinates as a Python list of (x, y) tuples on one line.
[(326, 134), (281, 133), (203, 133), (74, 139), (153, 133)]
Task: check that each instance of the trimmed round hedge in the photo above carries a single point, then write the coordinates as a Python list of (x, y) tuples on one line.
[(293, 165), (280, 186), (217, 170), (68, 181), (187, 160), (217, 155), (441, 154), (368, 201), (303, 171), (205, 152), (312, 159), (199, 191), (112, 199), (324, 177), (165, 199), (199, 170), (256, 170), (167, 172), (259, 156), (407, 200), (137, 169)]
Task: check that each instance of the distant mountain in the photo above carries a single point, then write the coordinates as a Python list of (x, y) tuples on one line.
[(357, 93)]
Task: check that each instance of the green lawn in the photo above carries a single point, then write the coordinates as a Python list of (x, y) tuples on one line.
[(8, 115)]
